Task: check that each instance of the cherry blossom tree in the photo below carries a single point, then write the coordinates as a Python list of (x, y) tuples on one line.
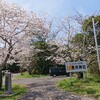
[(16, 29)]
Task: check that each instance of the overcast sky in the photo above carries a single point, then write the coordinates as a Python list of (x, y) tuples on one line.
[(59, 8)]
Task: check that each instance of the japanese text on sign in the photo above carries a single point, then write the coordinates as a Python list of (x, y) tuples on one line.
[(79, 66)]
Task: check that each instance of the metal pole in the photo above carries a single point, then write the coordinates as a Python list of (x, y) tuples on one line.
[(84, 76), (96, 45), (84, 45), (71, 79)]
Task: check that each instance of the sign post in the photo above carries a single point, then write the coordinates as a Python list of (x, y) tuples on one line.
[(71, 79), (79, 66), (84, 76)]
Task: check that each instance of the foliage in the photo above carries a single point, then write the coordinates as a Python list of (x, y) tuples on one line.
[(14, 68), (84, 45), (88, 26), (19, 90), (78, 39), (91, 86), (93, 67), (78, 42), (39, 63)]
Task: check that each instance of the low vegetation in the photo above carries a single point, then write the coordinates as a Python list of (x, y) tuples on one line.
[(89, 87), (27, 75), (18, 91)]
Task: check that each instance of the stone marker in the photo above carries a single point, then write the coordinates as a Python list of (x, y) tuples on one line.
[(8, 83)]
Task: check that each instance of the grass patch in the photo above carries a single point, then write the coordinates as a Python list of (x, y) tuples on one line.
[(89, 87), (19, 91), (27, 75)]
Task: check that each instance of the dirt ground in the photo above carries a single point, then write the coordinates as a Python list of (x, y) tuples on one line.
[(45, 89)]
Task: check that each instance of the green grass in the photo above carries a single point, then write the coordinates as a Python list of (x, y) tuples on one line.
[(89, 87), (18, 91), (27, 75)]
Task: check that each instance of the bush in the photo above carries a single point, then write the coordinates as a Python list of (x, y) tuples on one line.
[(94, 69), (90, 86)]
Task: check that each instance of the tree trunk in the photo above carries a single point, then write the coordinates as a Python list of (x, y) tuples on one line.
[(30, 71), (5, 62), (80, 75), (0, 79), (21, 70), (3, 66)]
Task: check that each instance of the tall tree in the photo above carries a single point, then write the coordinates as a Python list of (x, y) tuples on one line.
[(16, 27)]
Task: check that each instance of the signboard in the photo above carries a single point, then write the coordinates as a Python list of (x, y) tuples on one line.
[(79, 66)]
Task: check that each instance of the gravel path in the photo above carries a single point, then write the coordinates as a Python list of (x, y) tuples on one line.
[(45, 89)]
